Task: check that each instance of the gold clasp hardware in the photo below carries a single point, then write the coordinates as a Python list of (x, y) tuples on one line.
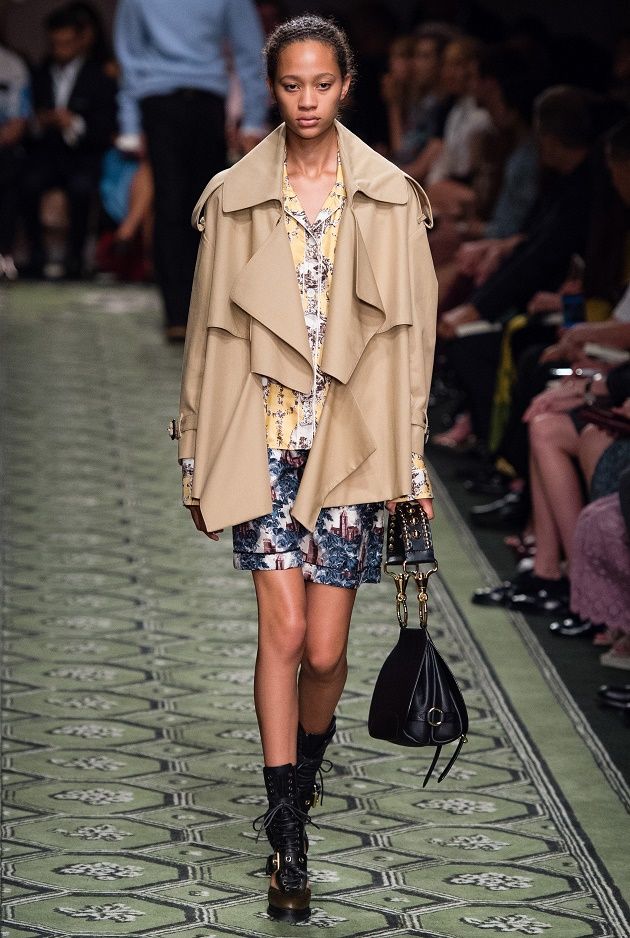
[(401, 580), (422, 580), (423, 597)]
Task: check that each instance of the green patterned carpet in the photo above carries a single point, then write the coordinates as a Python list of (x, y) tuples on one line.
[(132, 763)]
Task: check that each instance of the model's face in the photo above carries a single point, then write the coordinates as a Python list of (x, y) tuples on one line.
[(308, 88)]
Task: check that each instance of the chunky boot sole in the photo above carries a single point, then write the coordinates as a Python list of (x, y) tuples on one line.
[(285, 907)]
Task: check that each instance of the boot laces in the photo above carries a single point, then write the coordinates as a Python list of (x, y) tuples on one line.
[(306, 774), (283, 816)]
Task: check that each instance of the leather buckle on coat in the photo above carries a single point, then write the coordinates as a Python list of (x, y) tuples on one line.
[(174, 429)]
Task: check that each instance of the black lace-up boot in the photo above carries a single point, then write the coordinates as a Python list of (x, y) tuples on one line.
[(289, 893), (310, 755)]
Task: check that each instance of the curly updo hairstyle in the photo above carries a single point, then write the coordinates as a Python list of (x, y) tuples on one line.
[(309, 28)]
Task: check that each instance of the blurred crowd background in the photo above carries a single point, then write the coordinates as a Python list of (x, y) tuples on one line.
[(515, 117)]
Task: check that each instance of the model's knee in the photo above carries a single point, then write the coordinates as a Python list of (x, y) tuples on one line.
[(324, 665), (282, 636)]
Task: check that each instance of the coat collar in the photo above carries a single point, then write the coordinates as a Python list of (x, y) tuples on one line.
[(257, 178)]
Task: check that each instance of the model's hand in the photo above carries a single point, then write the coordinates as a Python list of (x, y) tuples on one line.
[(200, 524)]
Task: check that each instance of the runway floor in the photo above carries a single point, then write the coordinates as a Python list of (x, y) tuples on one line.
[(131, 754)]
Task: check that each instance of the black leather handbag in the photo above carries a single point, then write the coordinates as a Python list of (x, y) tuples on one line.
[(416, 700)]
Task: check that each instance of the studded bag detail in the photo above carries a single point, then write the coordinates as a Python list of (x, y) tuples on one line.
[(416, 700)]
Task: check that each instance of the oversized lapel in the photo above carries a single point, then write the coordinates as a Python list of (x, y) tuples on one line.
[(267, 288), (357, 310)]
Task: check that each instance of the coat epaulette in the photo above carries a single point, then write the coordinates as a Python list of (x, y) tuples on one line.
[(425, 213), (198, 219)]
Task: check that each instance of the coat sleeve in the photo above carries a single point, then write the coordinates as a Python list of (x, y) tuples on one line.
[(205, 217), (424, 315)]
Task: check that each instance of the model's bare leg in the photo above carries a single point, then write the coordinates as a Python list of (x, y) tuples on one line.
[(281, 638), (281, 599), (324, 665)]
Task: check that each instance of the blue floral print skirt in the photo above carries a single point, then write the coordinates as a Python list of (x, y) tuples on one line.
[(345, 549)]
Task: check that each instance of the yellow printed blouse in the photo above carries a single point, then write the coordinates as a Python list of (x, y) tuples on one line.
[(291, 417)]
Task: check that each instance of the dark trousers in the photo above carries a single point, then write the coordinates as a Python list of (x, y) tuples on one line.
[(11, 168), (77, 175), (475, 360), (185, 134)]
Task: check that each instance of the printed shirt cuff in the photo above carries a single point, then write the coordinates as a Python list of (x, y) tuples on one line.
[(420, 482), (188, 469)]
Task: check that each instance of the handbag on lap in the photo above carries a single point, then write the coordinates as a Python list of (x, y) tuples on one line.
[(416, 700)]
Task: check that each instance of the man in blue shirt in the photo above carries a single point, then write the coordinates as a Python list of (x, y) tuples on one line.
[(174, 85)]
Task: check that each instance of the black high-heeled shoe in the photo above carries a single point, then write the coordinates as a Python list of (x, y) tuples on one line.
[(310, 758), (289, 893)]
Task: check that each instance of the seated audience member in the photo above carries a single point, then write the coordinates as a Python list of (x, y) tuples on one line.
[(450, 179), (561, 440), (600, 581), (507, 90), (95, 43), (505, 193), (600, 578), (423, 120), (537, 259), (126, 191), (607, 294), (511, 270), (397, 89), (75, 114), (15, 109)]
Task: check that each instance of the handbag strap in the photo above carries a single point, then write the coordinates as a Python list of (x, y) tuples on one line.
[(410, 545), (409, 539)]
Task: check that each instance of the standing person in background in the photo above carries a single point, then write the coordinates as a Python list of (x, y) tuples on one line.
[(15, 109), (174, 84), (75, 119)]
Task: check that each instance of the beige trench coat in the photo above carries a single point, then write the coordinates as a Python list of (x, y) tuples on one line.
[(246, 321)]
